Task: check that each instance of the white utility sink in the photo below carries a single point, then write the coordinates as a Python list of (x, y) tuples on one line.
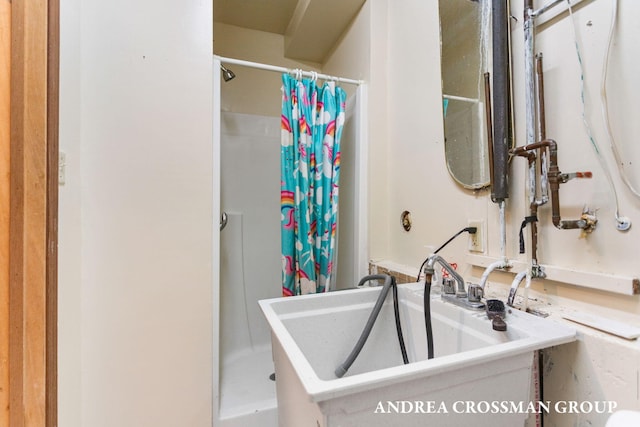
[(475, 369)]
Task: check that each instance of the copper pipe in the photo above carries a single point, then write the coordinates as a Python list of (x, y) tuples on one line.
[(542, 132), (555, 179), (487, 109)]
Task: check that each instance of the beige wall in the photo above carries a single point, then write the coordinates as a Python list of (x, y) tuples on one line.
[(419, 179), (253, 91), (605, 250), (135, 249), (393, 46), (418, 182), (417, 174)]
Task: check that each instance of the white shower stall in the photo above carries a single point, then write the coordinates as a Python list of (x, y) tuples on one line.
[(247, 262)]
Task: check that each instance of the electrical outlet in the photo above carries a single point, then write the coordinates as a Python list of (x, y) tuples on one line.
[(477, 241)]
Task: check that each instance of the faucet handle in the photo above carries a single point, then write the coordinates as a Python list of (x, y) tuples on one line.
[(475, 292), (448, 285)]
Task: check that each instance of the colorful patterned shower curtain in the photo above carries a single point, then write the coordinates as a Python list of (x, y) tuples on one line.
[(312, 122)]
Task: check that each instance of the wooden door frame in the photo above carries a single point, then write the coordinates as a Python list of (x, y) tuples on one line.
[(33, 233)]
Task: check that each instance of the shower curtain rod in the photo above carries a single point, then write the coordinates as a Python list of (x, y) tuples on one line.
[(286, 70)]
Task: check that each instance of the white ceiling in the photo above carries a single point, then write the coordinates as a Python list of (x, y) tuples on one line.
[(311, 27)]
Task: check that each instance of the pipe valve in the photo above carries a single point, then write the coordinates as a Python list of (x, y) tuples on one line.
[(564, 177)]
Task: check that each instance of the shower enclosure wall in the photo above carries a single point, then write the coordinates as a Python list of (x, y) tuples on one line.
[(247, 262)]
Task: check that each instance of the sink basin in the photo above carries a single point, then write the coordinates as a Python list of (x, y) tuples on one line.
[(477, 376)]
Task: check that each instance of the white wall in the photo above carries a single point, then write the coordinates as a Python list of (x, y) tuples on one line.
[(407, 168), (69, 222), (418, 178), (606, 249), (127, 108), (418, 182), (351, 58), (250, 270), (599, 366), (135, 214), (417, 175), (253, 91)]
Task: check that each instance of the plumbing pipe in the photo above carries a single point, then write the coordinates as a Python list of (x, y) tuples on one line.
[(533, 213), (501, 104), (514, 287), (490, 268), (533, 69), (533, 205), (555, 179), (536, 269), (546, 7), (540, 86), (535, 168), (503, 233), (537, 163), (524, 274), (501, 136), (527, 285), (542, 133), (531, 160), (530, 115), (487, 109), (503, 262)]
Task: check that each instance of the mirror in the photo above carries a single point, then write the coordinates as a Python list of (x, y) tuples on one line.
[(465, 35)]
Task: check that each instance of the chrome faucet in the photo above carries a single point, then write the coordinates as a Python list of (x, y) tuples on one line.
[(457, 295), (431, 262)]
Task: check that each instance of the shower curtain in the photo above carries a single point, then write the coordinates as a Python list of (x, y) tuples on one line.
[(311, 122)]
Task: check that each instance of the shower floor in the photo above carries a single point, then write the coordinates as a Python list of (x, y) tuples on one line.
[(247, 395)]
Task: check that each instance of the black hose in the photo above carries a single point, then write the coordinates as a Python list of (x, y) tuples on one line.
[(427, 290), (427, 315), (396, 312), (388, 281)]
